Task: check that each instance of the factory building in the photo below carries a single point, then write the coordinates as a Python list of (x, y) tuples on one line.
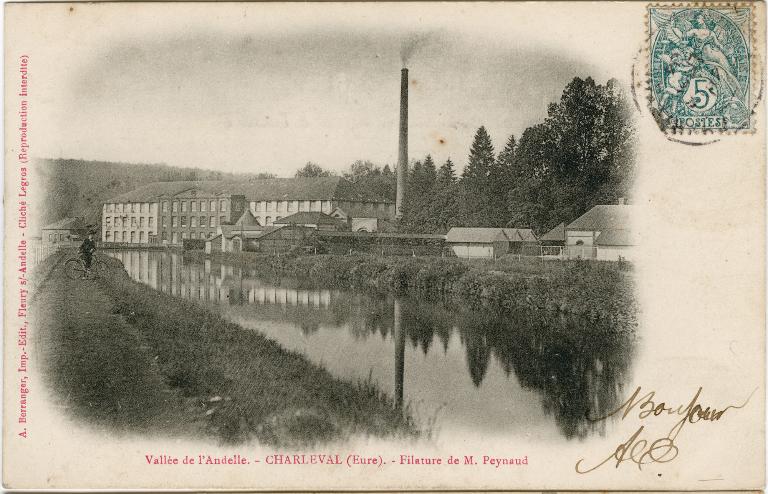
[(166, 213)]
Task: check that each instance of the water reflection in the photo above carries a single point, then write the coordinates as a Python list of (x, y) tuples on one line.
[(484, 370)]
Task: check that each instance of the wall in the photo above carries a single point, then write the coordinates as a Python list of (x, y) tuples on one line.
[(365, 224), (613, 252), (131, 222)]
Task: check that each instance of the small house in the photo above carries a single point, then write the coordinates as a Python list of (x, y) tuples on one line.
[(581, 234), (65, 232), (490, 243)]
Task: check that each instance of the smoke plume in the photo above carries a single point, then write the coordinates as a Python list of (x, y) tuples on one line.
[(411, 46)]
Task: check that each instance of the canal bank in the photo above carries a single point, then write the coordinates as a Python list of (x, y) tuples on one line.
[(128, 358), (578, 288)]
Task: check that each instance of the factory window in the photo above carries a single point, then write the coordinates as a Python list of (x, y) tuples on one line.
[(222, 219), (141, 222), (203, 205), (183, 206), (133, 237), (315, 206), (108, 237), (175, 206), (183, 221), (175, 237), (165, 206), (203, 221), (174, 221), (165, 222), (184, 235), (304, 206), (269, 206), (222, 206), (109, 221), (194, 206), (164, 236), (150, 221), (193, 235), (269, 220), (193, 222), (213, 205), (143, 207), (141, 237), (133, 222)]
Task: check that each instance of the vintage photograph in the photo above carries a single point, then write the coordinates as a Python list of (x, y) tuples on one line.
[(373, 243)]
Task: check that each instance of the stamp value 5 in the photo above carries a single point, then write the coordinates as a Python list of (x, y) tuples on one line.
[(700, 67)]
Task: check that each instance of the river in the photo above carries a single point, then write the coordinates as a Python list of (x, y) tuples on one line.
[(456, 368)]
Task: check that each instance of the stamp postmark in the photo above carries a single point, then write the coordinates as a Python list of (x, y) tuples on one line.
[(700, 67)]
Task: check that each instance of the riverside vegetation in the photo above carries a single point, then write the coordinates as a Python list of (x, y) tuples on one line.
[(124, 356), (575, 288)]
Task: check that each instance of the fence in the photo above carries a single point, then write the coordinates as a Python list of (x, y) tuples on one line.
[(38, 251)]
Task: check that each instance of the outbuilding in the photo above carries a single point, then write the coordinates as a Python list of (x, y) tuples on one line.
[(490, 243)]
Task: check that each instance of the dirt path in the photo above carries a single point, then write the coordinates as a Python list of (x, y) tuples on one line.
[(97, 363)]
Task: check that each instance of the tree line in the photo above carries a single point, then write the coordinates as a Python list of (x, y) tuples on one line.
[(581, 155)]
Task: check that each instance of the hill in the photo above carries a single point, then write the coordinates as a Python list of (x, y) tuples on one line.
[(74, 187)]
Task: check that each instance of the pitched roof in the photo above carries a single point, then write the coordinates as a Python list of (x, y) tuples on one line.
[(617, 238), (520, 234), (557, 234), (66, 224), (248, 219), (603, 217), (273, 189), (488, 235), (477, 235), (308, 218)]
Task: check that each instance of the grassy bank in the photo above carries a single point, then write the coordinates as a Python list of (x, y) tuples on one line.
[(125, 356), (596, 290)]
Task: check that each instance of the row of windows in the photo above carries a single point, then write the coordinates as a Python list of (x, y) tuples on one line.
[(140, 237), (57, 237), (125, 236), (132, 207), (176, 236), (291, 206), (134, 222), (193, 221), (193, 206)]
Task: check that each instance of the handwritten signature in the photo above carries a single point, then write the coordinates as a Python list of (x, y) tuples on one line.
[(641, 451)]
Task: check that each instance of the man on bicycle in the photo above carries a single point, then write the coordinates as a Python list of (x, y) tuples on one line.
[(87, 248)]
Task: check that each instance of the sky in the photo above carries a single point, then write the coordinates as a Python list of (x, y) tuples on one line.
[(248, 97)]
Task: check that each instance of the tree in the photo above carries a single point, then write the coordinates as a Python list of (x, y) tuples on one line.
[(312, 170), (500, 182), (580, 156), (475, 180), (446, 175)]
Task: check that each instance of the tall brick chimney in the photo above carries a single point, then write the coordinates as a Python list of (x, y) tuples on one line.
[(402, 157)]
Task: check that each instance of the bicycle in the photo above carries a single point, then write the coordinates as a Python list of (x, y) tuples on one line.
[(75, 269)]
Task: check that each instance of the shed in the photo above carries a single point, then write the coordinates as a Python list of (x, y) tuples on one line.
[(489, 242), (311, 219)]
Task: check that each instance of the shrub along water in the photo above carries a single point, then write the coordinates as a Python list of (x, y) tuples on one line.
[(592, 289)]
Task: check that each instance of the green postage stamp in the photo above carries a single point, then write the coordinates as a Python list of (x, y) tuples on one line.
[(700, 66)]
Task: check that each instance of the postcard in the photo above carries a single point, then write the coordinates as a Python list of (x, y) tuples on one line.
[(384, 246)]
